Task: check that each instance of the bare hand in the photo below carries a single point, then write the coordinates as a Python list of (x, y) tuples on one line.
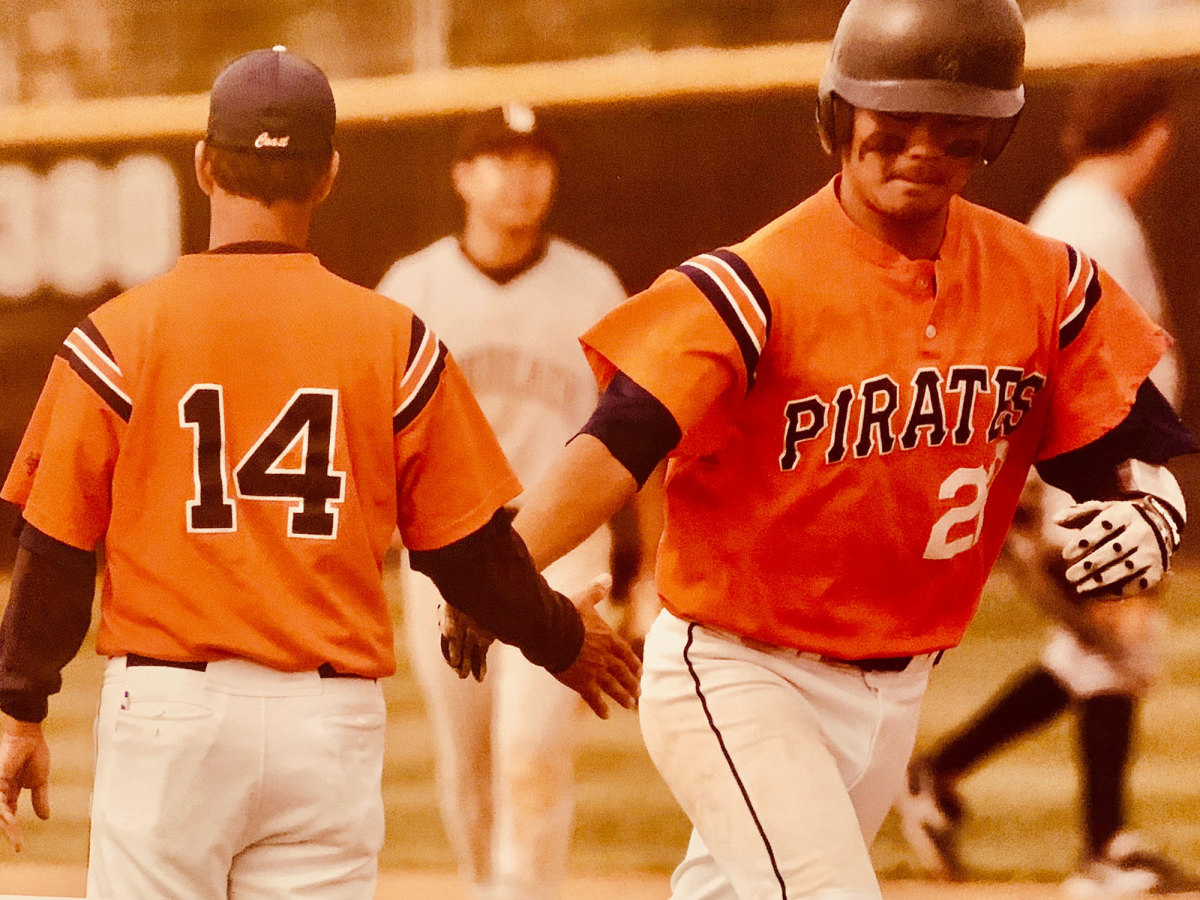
[(464, 643), (606, 664), (24, 764)]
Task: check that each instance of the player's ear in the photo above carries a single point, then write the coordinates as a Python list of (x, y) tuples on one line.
[(325, 185), (459, 173), (203, 166)]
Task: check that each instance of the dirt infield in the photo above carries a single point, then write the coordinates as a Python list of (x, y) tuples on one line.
[(18, 880)]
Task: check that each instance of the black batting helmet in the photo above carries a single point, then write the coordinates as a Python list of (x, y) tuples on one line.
[(947, 57)]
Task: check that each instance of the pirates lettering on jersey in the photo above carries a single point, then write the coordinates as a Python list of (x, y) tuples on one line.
[(867, 420), (1014, 392)]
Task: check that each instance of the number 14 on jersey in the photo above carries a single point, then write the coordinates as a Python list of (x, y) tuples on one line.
[(303, 432)]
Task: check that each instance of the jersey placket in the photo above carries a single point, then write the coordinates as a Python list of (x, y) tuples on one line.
[(939, 288), (921, 285)]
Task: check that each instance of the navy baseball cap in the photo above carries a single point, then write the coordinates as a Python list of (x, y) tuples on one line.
[(272, 102), (504, 128)]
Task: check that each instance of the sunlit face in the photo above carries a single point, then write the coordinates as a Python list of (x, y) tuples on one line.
[(511, 189), (907, 166)]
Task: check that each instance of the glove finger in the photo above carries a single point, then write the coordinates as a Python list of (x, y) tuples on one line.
[(1092, 538), (1102, 558), (1133, 583), (1079, 515), (1132, 548)]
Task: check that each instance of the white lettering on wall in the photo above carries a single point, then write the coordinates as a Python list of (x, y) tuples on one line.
[(83, 225)]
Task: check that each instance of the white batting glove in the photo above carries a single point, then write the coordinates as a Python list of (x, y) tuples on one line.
[(1118, 547)]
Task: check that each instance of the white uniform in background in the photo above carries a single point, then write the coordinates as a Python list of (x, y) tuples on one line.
[(1087, 214), (506, 746), (1091, 216)]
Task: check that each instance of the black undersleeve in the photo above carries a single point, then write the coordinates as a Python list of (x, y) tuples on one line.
[(1152, 433), (490, 576), (49, 610), (634, 425)]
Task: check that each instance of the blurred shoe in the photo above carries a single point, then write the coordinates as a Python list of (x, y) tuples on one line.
[(930, 813), (1128, 869)]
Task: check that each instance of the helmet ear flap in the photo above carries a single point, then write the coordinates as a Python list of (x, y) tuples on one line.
[(1002, 130), (835, 122)]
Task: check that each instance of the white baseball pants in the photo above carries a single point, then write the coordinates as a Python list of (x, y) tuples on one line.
[(505, 747), (236, 782), (786, 765)]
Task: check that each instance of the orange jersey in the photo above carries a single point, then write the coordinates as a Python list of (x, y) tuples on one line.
[(244, 434), (857, 426)]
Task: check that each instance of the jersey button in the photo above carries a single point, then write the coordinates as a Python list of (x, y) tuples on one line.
[(930, 332)]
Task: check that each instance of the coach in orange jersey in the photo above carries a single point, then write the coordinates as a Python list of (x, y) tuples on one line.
[(243, 435), (851, 399)]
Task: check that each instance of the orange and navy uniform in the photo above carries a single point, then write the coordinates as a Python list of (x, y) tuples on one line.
[(244, 434), (857, 426)]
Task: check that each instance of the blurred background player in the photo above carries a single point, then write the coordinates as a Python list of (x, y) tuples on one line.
[(510, 299), (852, 398), (1101, 656), (244, 434)]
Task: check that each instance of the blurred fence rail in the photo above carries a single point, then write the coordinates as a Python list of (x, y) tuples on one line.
[(1056, 41)]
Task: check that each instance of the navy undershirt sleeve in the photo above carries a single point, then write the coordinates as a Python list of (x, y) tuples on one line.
[(47, 617), (1152, 433), (490, 576), (634, 425)]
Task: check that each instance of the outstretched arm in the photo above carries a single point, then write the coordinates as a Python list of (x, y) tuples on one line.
[(489, 576), (594, 485), (614, 455), (620, 446), (583, 490)]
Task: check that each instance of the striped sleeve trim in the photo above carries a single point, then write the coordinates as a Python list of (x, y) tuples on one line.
[(729, 285), (1083, 285), (89, 355), (426, 360)]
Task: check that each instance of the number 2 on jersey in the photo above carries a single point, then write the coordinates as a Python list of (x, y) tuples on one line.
[(940, 546), (306, 423)]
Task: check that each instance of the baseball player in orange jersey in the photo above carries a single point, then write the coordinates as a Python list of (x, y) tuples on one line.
[(244, 434), (851, 399)]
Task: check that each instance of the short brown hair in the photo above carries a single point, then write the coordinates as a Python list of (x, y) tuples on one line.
[(266, 179), (1109, 110)]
